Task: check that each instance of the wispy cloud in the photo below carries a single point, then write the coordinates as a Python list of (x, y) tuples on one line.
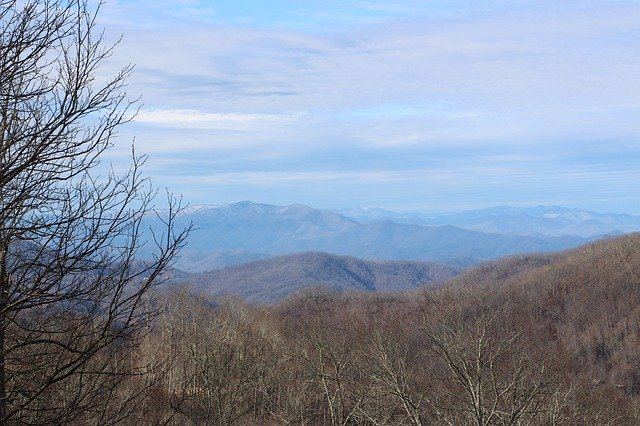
[(377, 87), (200, 119)]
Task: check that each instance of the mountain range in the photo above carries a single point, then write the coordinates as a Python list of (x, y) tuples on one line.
[(544, 221), (236, 233)]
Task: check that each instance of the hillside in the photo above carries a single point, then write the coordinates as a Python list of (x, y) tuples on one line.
[(586, 300), (542, 339), (273, 279)]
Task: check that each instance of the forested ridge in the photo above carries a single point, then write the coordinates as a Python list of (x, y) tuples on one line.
[(271, 280)]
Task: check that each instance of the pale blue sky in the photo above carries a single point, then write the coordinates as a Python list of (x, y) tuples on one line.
[(408, 105)]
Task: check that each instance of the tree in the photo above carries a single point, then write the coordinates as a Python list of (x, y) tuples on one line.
[(395, 393), (487, 376), (73, 298), (223, 360)]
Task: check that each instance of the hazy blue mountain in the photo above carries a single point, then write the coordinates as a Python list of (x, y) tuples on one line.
[(206, 260), (272, 279), (275, 230), (534, 221), (374, 214)]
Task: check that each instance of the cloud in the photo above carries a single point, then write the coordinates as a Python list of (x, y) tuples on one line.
[(378, 87), (506, 67), (201, 119)]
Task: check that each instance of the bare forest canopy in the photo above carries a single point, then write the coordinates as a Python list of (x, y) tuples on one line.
[(534, 339)]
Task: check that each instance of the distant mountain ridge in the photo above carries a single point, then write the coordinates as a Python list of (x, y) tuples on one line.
[(543, 221), (234, 233), (267, 281)]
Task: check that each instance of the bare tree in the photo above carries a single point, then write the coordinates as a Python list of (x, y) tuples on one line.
[(73, 299), (487, 377), (330, 362), (223, 360), (395, 397)]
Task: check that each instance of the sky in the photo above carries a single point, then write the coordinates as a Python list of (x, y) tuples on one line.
[(429, 106)]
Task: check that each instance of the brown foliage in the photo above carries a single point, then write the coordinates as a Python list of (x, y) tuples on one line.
[(528, 340), (520, 341)]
